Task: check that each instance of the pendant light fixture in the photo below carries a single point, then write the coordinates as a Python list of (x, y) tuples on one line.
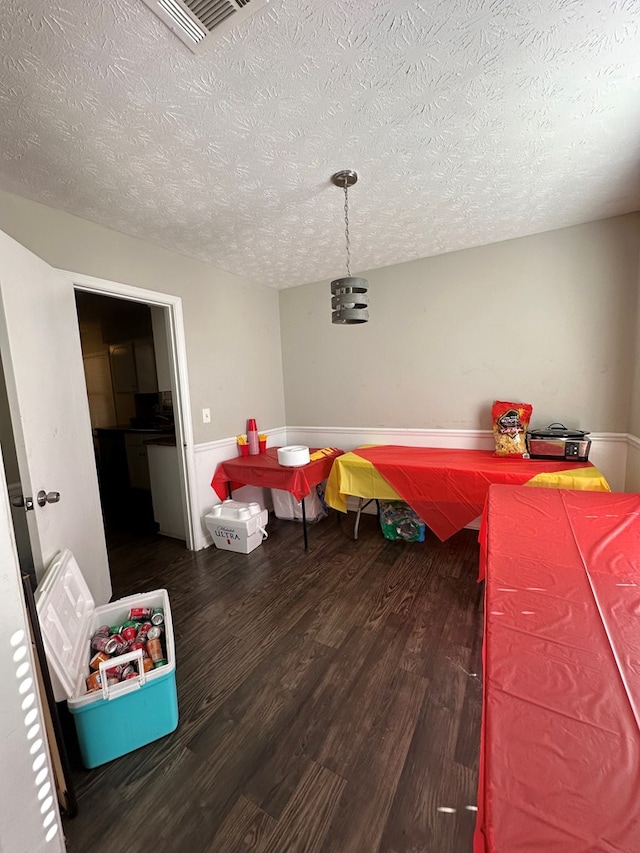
[(349, 297)]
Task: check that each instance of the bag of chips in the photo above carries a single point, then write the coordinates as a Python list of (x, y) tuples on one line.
[(510, 425)]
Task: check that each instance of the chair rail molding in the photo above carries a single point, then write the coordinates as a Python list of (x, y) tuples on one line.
[(610, 453)]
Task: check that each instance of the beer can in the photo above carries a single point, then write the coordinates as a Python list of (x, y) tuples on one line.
[(100, 643), (157, 617), (147, 664), (97, 659), (140, 614), (154, 633), (160, 662)]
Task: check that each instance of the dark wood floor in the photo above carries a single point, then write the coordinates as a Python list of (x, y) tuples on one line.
[(329, 700)]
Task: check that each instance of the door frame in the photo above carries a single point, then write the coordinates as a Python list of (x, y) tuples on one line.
[(172, 306)]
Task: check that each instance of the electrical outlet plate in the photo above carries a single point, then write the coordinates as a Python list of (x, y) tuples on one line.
[(206, 416)]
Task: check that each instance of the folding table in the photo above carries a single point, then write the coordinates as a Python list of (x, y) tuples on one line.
[(560, 744), (446, 487), (264, 470)]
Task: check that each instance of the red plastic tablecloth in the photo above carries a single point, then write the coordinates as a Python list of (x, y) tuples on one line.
[(265, 470), (448, 487), (560, 756)]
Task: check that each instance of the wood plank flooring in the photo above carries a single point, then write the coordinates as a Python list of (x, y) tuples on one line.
[(329, 700)]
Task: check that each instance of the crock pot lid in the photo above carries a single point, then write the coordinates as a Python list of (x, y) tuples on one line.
[(557, 431)]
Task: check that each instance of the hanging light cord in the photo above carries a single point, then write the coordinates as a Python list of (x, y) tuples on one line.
[(346, 228)]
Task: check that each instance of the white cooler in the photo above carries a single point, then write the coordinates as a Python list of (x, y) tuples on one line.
[(237, 526)]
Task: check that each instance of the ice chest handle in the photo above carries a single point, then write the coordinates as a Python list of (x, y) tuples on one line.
[(125, 658)]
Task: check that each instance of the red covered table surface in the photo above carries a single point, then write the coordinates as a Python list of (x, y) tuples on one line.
[(560, 752), (265, 470), (447, 487)]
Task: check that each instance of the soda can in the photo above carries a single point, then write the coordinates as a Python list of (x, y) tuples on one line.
[(129, 631), (103, 629), (94, 682), (154, 649), (154, 633), (114, 629), (143, 630), (157, 617), (120, 671), (137, 644), (97, 659), (140, 614), (121, 644), (100, 643), (115, 671), (130, 675)]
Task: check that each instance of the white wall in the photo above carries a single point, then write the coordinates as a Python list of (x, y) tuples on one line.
[(232, 326), (547, 319), (633, 459)]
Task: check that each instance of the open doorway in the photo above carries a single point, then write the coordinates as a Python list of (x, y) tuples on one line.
[(127, 367)]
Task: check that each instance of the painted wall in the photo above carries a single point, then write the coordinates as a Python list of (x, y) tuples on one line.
[(547, 319), (232, 326), (632, 483), (634, 420)]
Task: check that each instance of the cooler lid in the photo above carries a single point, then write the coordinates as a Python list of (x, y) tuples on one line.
[(65, 606), (230, 510)]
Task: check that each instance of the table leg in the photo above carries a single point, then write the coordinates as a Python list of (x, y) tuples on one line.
[(304, 526), (362, 506), (357, 524)]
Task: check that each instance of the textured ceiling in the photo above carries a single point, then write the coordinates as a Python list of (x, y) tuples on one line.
[(468, 121)]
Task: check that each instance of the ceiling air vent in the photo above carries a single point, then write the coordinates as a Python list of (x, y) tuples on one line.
[(196, 22)]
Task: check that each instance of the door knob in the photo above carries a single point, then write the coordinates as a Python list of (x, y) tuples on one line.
[(47, 497)]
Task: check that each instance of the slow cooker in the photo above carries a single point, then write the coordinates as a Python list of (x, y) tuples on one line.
[(558, 442)]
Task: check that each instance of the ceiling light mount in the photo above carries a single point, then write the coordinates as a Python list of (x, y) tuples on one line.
[(349, 295), (345, 178)]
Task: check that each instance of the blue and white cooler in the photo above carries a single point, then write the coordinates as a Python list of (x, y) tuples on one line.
[(120, 717)]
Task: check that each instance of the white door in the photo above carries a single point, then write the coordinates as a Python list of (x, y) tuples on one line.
[(29, 817), (42, 360)]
